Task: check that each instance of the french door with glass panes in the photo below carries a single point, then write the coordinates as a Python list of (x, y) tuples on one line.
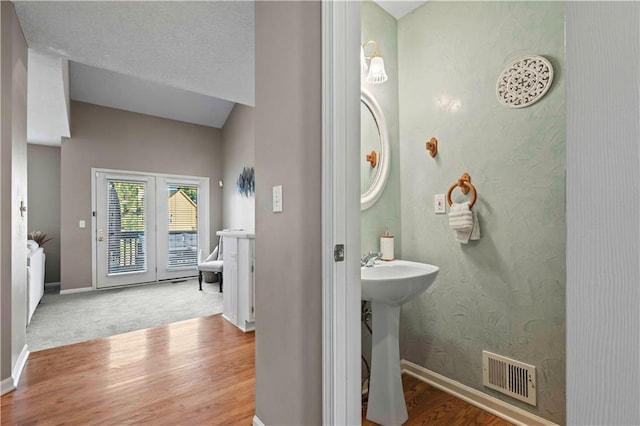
[(181, 226), (148, 227)]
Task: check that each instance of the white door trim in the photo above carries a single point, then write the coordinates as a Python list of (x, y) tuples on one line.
[(94, 230), (341, 212)]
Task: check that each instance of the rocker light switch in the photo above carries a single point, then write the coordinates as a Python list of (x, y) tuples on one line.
[(439, 206), (81, 224), (277, 199)]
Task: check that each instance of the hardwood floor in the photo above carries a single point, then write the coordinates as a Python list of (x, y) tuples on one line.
[(193, 372), (430, 406)]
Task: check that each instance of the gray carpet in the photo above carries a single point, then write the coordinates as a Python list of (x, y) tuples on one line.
[(78, 317)]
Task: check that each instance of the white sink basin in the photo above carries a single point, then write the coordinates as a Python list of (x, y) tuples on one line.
[(389, 285), (396, 282)]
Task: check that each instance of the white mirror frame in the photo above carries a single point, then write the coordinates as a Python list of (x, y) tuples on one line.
[(374, 192)]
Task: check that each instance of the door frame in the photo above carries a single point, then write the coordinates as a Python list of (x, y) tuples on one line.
[(205, 243), (341, 287)]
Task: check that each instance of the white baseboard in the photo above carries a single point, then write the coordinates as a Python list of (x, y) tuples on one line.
[(257, 422), (20, 363), (56, 284), (7, 386), (488, 403), (248, 326), (76, 290)]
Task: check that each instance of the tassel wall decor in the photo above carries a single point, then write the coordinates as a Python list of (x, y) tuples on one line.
[(246, 183)]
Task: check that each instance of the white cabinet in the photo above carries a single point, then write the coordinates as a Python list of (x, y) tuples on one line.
[(35, 279), (238, 278)]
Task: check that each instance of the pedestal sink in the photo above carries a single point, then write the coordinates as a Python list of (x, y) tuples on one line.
[(388, 285)]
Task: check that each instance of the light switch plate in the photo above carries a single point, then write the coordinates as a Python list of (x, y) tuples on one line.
[(277, 198), (81, 224), (439, 204)]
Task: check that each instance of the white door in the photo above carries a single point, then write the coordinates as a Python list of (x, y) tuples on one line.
[(182, 226), (126, 229)]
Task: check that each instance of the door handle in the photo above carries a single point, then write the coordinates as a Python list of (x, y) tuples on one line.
[(100, 235)]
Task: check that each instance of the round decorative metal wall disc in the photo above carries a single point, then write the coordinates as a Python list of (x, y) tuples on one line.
[(524, 81)]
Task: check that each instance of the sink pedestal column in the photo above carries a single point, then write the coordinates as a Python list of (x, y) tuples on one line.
[(386, 398)]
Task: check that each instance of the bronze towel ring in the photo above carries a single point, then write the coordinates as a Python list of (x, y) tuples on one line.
[(464, 183)]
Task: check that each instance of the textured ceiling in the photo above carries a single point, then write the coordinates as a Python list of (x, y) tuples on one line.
[(187, 61), (201, 47)]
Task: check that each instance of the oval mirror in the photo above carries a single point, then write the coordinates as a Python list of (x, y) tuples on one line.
[(374, 150)]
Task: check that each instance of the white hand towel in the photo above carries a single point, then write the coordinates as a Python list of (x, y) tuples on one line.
[(460, 217), (464, 222), (475, 233), (464, 237)]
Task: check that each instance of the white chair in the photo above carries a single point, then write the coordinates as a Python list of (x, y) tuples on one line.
[(212, 263)]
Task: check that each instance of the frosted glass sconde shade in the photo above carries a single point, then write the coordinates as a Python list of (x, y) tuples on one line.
[(363, 62), (377, 74)]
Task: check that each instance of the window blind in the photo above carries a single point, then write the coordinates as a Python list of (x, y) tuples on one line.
[(126, 227)]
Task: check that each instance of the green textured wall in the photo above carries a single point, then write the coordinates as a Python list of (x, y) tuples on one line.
[(506, 292), (381, 27)]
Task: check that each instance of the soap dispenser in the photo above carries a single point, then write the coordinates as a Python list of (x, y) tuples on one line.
[(386, 245)]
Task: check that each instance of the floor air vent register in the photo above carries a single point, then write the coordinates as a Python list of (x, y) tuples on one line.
[(509, 377)]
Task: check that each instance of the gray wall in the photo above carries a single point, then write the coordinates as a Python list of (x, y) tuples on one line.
[(288, 244), (13, 189), (506, 292), (238, 137), (603, 249), (115, 139), (43, 169), (378, 25)]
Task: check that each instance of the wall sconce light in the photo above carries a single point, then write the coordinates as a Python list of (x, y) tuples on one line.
[(377, 74)]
